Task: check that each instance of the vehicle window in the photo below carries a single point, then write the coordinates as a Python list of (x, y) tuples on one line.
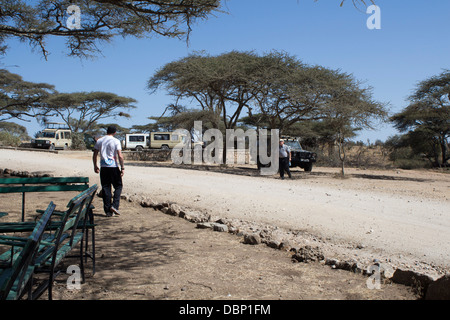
[(48, 134), (136, 138), (175, 137), (67, 135), (162, 136), (293, 144)]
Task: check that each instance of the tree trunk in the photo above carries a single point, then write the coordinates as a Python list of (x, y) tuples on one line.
[(342, 155)]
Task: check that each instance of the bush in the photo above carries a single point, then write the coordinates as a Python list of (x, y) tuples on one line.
[(78, 141), (409, 164), (7, 139)]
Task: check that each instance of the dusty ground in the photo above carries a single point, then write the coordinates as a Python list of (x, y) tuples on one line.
[(147, 255), (399, 217)]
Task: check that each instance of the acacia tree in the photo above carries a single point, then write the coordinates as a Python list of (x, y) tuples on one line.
[(100, 20), (288, 91), (21, 99), (220, 85), (429, 112), (349, 109), (82, 110)]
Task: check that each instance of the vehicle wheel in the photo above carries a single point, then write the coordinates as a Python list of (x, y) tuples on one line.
[(52, 147), (139, 148), (308, 167), (164, 147), (66, 147)]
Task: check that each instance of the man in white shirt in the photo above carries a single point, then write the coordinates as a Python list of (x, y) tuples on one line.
[(111, 157), (285, 159)]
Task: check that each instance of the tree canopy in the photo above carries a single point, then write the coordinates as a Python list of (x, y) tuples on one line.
[(429, 112), (21, 99), (101, 20), (82, 110)]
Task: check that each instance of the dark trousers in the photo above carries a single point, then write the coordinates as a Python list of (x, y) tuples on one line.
[(111, 177), (284, 167)]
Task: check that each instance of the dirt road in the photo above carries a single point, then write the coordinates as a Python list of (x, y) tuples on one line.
[(401, 217)]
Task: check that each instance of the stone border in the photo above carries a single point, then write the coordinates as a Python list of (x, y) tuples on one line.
[(253, 234), (28, 149)]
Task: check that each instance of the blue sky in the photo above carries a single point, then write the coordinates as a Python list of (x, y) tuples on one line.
[(412, 45)]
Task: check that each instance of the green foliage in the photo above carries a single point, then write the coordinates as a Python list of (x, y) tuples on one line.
[(78, 142), (7, 139), (81, 110), (427, 117), (20, 99), (404, 153), (14, 129), (34, 21)]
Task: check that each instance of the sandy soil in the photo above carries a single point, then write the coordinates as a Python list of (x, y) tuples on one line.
[(398, 217)]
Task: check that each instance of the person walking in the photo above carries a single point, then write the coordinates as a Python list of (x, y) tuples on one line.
[(285, 159), (110, 151)]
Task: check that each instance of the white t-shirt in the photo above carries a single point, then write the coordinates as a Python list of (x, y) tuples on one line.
[(108, 146)]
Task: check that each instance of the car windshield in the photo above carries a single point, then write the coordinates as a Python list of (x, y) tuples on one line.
[(47, 135), (293, 144)]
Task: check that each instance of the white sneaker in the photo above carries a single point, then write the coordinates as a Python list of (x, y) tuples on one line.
[(115, 211)]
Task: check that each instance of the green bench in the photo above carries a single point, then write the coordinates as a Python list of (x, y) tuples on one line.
[(16, 275), (42, 184), (66, 231)]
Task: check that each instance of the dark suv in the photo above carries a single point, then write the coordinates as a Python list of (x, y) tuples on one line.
[(300, 157)]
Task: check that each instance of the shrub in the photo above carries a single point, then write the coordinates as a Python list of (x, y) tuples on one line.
[(7, 139), (78, 141)]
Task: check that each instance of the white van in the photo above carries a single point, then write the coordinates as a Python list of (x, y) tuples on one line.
[(166, 140), (153, 140), (137, 141)]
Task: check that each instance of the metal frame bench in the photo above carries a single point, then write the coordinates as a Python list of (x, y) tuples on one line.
[(67, 230), (42, 184), (16, 275)]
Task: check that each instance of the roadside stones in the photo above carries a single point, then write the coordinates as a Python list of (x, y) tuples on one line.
[(253, 234), (22, 174), (220, 227), (213, 225), (439, 289), (252, 239), (411, 278), (308, 254)]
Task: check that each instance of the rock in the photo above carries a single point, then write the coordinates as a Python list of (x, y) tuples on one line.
[(175, 210), (285, 245), (347, 265), (220, 227), (331, 262), (195, 217), (252, 239), (273, 244), (412, 279), (204, 225), (307, 254), (148, 203), (439, 289)]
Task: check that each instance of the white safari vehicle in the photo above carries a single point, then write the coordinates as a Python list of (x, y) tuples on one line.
[(153, 140), (54, 136)]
